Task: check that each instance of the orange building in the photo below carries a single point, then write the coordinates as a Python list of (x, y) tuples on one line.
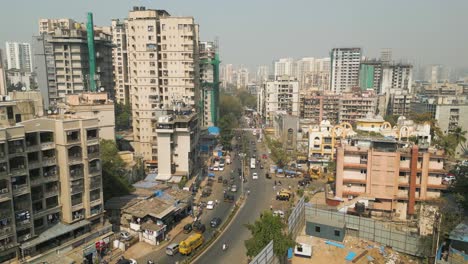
[(395, 175)]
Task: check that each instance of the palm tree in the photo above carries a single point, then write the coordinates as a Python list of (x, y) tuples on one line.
[(459, 135)]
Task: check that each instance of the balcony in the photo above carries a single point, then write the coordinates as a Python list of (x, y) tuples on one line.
[(6, 230), (20, 189), (7, 243), (96, 182), (73, 137), (48, 161), (15, 147), (77, 173)]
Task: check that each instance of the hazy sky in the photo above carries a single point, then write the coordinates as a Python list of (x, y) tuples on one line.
[(254, 32)]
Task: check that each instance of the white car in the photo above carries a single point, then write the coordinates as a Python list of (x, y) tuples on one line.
[(254, 176), (125, 236), (449, 179), (216, 168), (210, 205), (221, 168)]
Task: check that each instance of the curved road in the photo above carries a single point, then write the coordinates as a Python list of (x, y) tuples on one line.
[(259, 199)]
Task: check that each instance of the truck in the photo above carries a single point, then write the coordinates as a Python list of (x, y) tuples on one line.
[(252, 163), (190, 244)]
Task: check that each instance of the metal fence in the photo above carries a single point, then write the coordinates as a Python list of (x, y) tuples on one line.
[(297, 218), (266, 256), (381, 232)]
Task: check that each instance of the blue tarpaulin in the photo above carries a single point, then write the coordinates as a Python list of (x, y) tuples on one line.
[(213, 130), (290, 172), (280, 170), (290, 253), (211, 174), (350, 256)]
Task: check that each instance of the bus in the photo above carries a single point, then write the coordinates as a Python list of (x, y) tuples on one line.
[(252, 163)]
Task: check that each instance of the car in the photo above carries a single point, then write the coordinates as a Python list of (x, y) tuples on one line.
[(299, 166), (264, 156), (187, 228), (221, 168), (127, 261), (449, 179), (206, 192), (278, 213), (234, 188), (216, 168), (199, 227), (125, 236), (210, 205), (254, 176), (228, 198), (215, 222)]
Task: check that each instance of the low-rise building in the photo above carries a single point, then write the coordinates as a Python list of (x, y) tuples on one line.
[(319, 107), (354, 106), (286, 129), (395, 176)]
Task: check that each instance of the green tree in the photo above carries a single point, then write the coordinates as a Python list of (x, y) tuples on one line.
[(459, 135), (460, 187), (113, 171), (278, 154), (268, 227), (247, 99), (392, 119), (123, 113)]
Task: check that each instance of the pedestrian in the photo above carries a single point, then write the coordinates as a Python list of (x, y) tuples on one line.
[(289, 187), (274, 187), (275, 183), (271, 207)]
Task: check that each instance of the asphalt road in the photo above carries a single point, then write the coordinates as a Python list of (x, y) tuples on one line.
[(259, 199), (222, 210)]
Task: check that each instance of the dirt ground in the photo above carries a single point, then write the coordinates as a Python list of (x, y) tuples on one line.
[(323, 253)]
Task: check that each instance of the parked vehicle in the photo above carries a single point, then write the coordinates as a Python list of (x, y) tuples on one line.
[(220, 179), (254, 176), (284, 195), (172, 249), (267, 175), (215, 222), (190, 244), (187, 228), (206, 192), (125, 236)]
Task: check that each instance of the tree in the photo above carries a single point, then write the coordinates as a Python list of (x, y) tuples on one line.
[(460, 187), (247, 100), (113, 171), (123, 113), (268, 227), (459, 135), (278, 154), (392, 119)]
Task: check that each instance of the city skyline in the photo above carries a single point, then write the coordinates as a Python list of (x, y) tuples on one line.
[(259, 42)]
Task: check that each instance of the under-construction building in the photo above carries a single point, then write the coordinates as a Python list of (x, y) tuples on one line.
[(209, 80)]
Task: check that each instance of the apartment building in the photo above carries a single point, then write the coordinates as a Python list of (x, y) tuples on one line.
[(392, 176), (263, 73), (18, 56), (242, 78), (50, 182), (209, 80), (370, 75), (163, 70), (281, 94), (3, 87), (177, 135), (227, 74), (92, 105), (120, 61), (399, 102), (396, 76), (345, 63), (319, 107), (284, 67), (356, 105), (62, 60)]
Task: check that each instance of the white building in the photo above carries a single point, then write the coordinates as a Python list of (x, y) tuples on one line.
[(227, 74), (242, 78), (18, 56), (281, 94), (284, 67), (345, 63), (120, 61), (263, 71), (163, 67), (396, 76)]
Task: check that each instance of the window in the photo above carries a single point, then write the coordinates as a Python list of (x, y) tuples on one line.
[(402, 158), (337, 233), (317, 229), (163, 27), (363, 171), (150, 28)]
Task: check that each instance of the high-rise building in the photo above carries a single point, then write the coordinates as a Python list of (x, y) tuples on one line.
[(163, 68), (242, 78), (386, 55), (120, 61), (396, 76), (281, 95), (345, 63), (304, 67), (284, 67), (227, 74), (18, 56), (263, 72), (370, 75), (62, 60), (209, 81)]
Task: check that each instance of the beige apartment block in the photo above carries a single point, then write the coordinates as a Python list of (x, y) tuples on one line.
[(281, 95), (92, 105), (50, 180), (355, 106), (163, 66), (394, 176)]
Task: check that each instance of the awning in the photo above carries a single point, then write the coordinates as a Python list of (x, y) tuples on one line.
[(53, 232)]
